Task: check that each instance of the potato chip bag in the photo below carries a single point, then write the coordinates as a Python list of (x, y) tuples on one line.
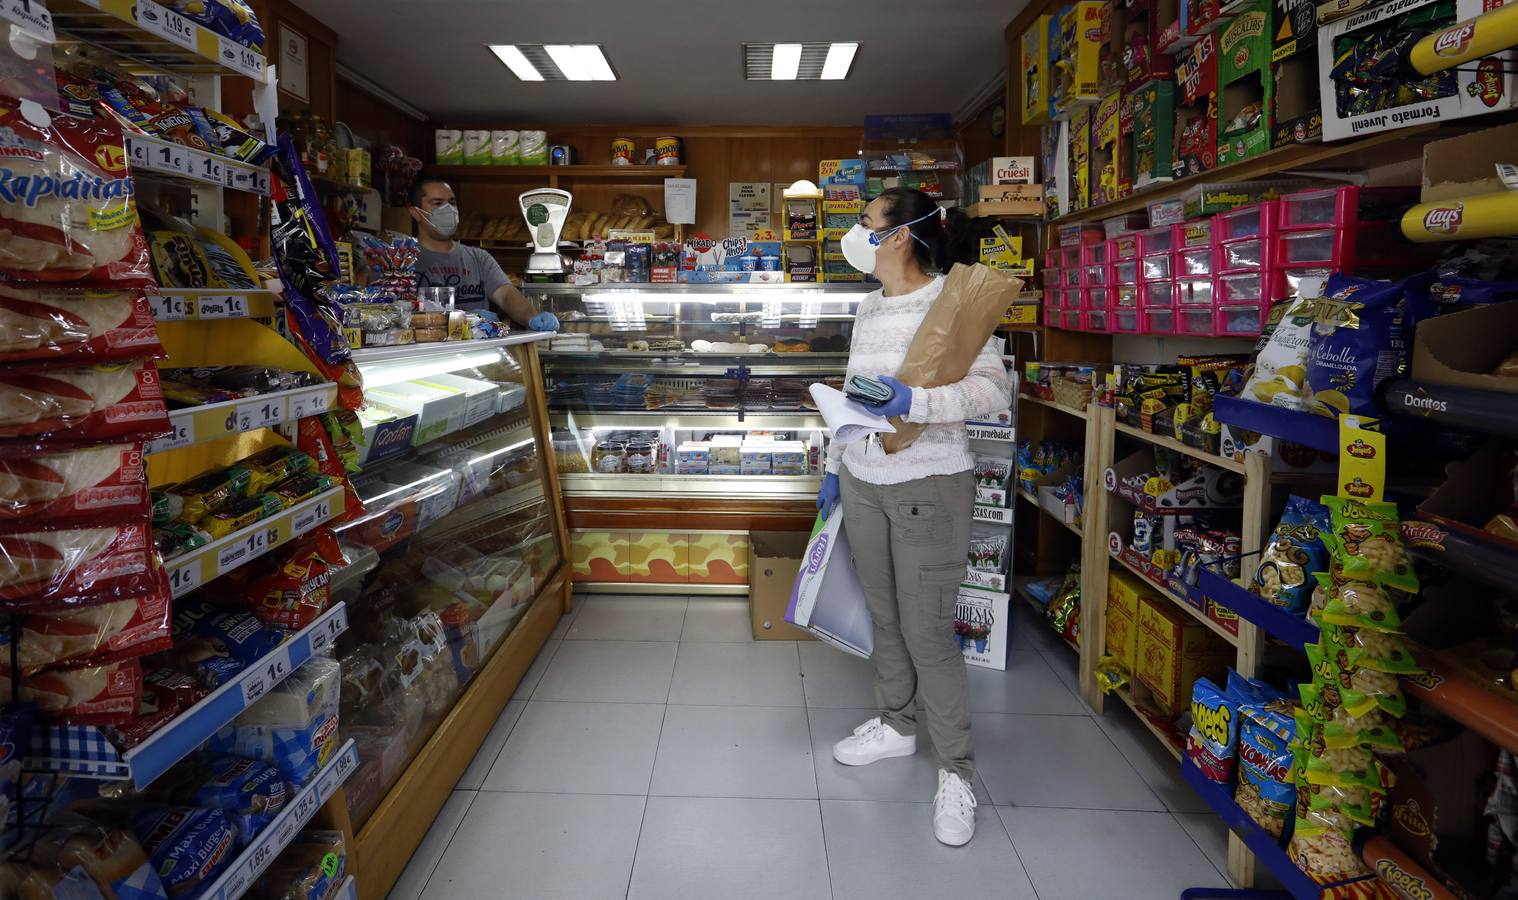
[(1358, 341), (1280, 370)]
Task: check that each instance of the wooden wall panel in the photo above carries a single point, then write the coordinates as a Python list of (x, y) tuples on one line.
[(975, 134)]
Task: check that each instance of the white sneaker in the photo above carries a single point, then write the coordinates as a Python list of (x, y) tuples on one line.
[(953, 810), (872, 742)]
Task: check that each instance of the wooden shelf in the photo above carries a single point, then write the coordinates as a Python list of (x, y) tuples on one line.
[(1067, 410), (530, 174), (1019, 587), (1033, 501), (1377, 149), (1195, 613), (1170, 443), (1146, 716)]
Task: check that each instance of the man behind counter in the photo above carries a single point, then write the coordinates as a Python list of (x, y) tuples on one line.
[(477, 276)]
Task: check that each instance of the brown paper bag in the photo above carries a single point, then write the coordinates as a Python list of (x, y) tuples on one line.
[(951, 336)]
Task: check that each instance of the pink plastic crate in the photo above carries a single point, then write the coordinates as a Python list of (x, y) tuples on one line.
[(1125, 296), (1155, 240), (1152, 294), (1254, 220), (1191, 233), (1070, 258), (1095, 298), (1094, 275), (1239, 321), (1070, 319), (1094, 320), (1248, 254), (1070, 298), (1124, 246), (1342, 207), (1051, 258), (1156, 267), (1194, 320), (1123, 271), (1050, 277), (1159, 321), (1070, 277), (1094, 254), (1244, 287), (1195, 261), (1076, 235), (1123, 321), (1346, 249), (1194, 291)]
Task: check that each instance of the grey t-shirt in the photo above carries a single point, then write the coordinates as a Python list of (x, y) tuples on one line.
[(471, 270)]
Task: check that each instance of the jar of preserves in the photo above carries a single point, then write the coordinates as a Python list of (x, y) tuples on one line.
[(568, 458), (609, 457), (642, 456)]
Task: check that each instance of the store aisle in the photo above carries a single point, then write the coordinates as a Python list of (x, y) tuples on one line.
[(655, 752)]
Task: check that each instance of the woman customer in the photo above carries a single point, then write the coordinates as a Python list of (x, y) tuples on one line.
[(907, 514)]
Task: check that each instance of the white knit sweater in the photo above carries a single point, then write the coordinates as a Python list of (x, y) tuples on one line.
[(883, 330)]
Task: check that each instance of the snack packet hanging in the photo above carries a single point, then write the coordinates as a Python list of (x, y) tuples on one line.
[(1358, 342), (1368, 543), (1358, 604), (1369, 649), (1295, 551), (66, 197), (1265, 789), (1362, 691)]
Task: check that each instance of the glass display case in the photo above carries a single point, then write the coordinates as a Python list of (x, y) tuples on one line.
[(692, 390), (459, 542)]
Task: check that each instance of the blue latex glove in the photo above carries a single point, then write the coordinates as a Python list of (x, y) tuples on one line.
[(544, 321), (488, 315), (827, 498), (899, 405)]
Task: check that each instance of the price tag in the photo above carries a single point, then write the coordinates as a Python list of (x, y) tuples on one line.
[(312, 403), (169, 307), (310, 517), (305, 808), (255, 543), (342, 767), (166, 23), (242, 59), (31, 16), (265, 412), (264, 675), (261, 181), (240, 178), (185, 578), (325, 634), (228, 306), (182, 436), (241, 879), (140, 153), (208, 167), (166, 157)]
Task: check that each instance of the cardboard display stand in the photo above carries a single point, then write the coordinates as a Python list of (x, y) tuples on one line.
[(1245, 87)]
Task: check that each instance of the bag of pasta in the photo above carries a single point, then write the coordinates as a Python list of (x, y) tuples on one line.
[(1294, 552), (1366, 543)]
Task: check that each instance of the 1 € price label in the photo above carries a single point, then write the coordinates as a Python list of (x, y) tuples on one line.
[(182, 435), (261, 413), (313, 403), (264, 675), (310, 517), (208, 167), (325, 633), (184, 579), (222, 306), (166, 157), (168, 307)]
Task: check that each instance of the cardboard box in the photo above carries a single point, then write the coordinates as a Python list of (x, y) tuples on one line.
[(1211, 197), (1460, 348), (1033, 68), (1146, 130), (1465, 165), (1082, 32), (1296, 116), (1104, 150), (1011, 200), (1205, 17), (1080, 159), (1012, 170), (1122, 639), (987, 612), (1245, 84), (774, 559), (1482, 87), (1286, 456), (1196, 113), (1125, 593), (1173, 650), (386, 432), (841, 179), (439, 410), (481, 397), (1056, 168), (1170, 21), (1142, 59)]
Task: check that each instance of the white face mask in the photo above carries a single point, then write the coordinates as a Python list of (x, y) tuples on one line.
[(860, 244), (444, 220)]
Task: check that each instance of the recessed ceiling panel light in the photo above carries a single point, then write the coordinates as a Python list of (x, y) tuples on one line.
[(840, 58), (805, 61), (785, 62), (581, 62), (512, 56)]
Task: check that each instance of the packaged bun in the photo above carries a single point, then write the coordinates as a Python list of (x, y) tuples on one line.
[(121, 400), (100, 484), (43, 323)]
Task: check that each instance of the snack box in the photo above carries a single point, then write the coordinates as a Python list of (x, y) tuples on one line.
[(1295, 114), (1170, 21), (756, 459), (1104, 150), (692, 458), (1211, 197), (1483, 86), (725, 449), (1054, 163), (788, 458), (1196, 120), (439, 410), (841, 180), (1135, 36), (1082, 26), (439, 486), (1146, 126), (482, 398), (1167, 212), (1245, 86), (509, 604), (386, 432), (1080, 159), (842, 214), (1173, 651), (1033, 67)]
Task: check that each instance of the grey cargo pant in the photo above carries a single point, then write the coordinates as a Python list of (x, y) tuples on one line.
[(910, 542)]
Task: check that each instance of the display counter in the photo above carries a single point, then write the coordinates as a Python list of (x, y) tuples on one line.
[(682, 421), (456, 582)]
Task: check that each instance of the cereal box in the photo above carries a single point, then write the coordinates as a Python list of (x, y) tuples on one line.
[(1080, 159), (1196, 114), (1146, 127), (1033, 63), (1082, 32)]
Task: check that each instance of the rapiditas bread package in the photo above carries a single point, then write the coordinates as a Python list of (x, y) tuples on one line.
[(952, 334)]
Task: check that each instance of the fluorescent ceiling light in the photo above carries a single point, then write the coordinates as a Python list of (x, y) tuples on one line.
[(516, 62), (840, 58), (786, 62), (581, 62)]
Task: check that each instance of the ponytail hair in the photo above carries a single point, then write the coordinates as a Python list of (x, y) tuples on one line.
[(949, 237)]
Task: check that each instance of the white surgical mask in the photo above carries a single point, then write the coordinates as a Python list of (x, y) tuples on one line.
[(444, 220), (860, 244)]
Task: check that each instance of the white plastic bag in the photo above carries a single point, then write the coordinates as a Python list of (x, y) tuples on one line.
[(828, 599)]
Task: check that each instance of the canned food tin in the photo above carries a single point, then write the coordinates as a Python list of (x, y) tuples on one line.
[(623, 151), (669, 150)]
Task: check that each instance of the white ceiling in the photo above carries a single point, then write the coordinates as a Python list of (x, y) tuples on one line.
[(678, 60)]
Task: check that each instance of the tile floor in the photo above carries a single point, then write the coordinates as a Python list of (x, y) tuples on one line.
[(655, 752)]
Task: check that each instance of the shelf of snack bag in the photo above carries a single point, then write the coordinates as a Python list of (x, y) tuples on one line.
[(215, 37), (1053, 404)]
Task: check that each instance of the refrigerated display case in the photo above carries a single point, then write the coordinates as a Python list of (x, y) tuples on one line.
[(457, 574), (682, 421)]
